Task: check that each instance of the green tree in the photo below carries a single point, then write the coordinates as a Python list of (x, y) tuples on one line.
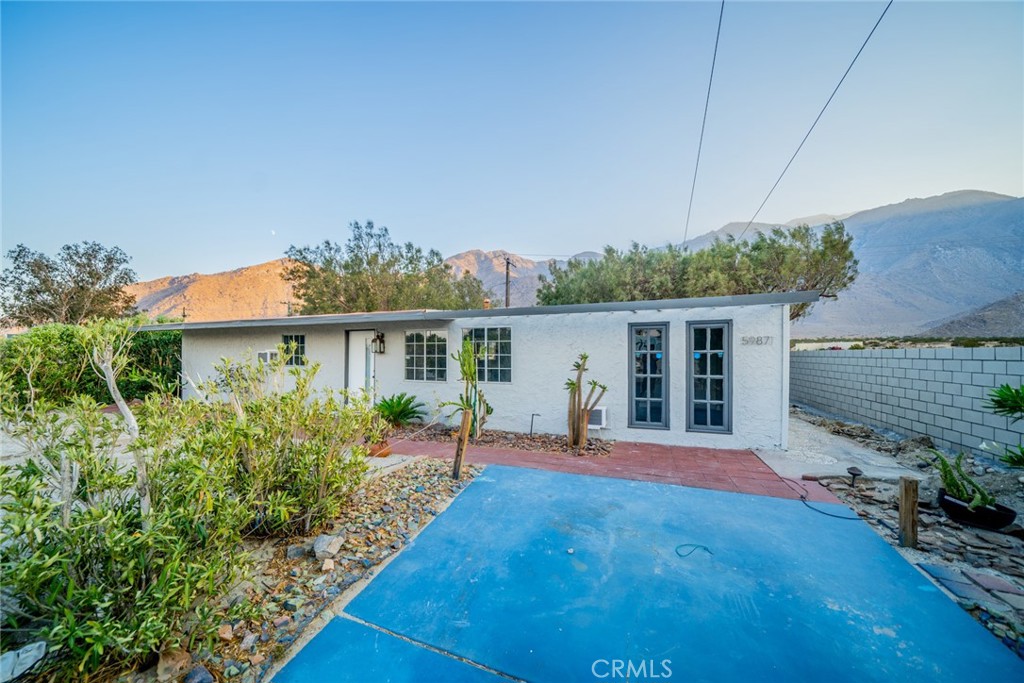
[(372, 273), (797, 258), (84, 281)]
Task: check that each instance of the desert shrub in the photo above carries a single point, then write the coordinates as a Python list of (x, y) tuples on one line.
[(298, 454), (102, 582), (400, 410), (856, 347)]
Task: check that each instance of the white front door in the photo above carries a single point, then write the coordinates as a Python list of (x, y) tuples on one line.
[(360, 361)]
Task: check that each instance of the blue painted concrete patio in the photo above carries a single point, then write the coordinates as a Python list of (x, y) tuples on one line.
[(544, 576)]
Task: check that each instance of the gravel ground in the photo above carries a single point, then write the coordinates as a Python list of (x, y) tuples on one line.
[(550, 443)]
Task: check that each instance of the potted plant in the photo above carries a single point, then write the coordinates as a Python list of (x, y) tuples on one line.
[(377, 437), (965, 500)]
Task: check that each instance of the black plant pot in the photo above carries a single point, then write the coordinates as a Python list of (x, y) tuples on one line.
[(987, 517)]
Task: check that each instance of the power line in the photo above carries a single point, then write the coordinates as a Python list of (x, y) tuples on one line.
[(818, 118), (704, 121)]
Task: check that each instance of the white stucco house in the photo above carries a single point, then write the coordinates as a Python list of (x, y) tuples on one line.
[(710, 372)]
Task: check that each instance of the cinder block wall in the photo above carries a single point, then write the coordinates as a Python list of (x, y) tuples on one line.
[(914, 392)]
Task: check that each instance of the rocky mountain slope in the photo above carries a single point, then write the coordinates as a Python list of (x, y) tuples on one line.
[(1003, 318), (922, 262)]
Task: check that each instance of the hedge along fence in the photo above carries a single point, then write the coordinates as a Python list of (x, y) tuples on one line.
[(940, 393), (64, 372)]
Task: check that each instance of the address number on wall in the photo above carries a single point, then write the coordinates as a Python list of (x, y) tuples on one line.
[(757, 341)]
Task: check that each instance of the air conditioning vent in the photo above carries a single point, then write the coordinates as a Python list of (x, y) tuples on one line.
[(598, 418), (266, 356)]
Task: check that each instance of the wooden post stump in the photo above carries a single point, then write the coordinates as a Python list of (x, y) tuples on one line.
[(460, 447), (908, 512)]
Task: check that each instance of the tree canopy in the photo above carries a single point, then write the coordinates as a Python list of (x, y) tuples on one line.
[(372, 273), (83, 281), (783, 260)]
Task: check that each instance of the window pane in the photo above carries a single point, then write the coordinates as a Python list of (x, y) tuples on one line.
[(640, 388), (700, 389), (492, 375), (700, 414), (655, 363), (640, 414), (655, 342), (505, 348), (717, 415), (639, 341), (700, 338), (655, 411), (717, 339), (700, 363), (504, 375), (505, 333), (409, 374), (640, 364), (717, 389), (430, 374), (442, 375), (656, 387), (716, 363)]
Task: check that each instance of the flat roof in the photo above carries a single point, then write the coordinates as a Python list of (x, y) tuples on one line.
[(435, 316)]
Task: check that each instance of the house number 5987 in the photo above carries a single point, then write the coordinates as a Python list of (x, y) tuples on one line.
[(757, 341)]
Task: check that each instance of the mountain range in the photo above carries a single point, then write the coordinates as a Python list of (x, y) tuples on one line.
[(923, 264)]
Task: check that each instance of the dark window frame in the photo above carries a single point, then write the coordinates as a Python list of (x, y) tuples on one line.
[(440, 360), (666, 422), (726, 376), (491, 361), (296, 358)]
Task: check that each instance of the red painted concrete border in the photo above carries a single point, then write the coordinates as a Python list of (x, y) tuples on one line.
[(721, 469)]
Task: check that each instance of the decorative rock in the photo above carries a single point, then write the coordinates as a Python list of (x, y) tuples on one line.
[(326, 546), (232, 671), (978, 470), (293, 604), (281, 621), (295, 552), (328, 565), (173, 661), (17, 662), (249, 641), (225, 632), (199, 674), (257, 659)]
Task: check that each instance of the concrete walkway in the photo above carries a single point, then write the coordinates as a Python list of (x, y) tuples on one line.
[(739, 471), (818, 452)]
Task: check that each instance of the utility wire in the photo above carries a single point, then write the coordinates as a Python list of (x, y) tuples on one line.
[(704, 121), (800, 146)]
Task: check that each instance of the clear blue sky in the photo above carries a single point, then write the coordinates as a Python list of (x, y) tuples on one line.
[(204, 137)]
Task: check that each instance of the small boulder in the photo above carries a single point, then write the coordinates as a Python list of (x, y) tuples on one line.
[(17, 662), (173, 662), (199, 674), (294, 552), (226, 632), (326, 546), (328, 565)]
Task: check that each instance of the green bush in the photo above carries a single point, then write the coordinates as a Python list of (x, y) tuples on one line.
[(400, 410), (1009, 401), (105, 585), (298, 455), (111, 552), (55, 355)]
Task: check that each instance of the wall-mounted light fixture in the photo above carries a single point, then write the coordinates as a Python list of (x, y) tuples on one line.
[(377, 343)]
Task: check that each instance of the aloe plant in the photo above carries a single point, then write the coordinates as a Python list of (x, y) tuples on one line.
[(958, 484)]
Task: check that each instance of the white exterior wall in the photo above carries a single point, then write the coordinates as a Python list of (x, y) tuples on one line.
[(202, 350), (544, 348)]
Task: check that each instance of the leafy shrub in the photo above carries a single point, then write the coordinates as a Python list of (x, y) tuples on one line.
[(105, 585), (50, 361), (297, 455), (400, 410), (856, 347), (1009, 401)]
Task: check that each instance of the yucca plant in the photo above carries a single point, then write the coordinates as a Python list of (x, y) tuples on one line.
[(400, 410)]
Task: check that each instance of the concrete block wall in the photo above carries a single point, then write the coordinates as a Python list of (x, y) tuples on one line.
[(914, 392)]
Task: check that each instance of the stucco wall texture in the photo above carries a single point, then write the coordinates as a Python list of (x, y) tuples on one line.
[(938, 393), (544, 348)]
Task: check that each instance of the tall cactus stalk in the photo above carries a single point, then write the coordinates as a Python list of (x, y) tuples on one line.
[(580, 407)]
